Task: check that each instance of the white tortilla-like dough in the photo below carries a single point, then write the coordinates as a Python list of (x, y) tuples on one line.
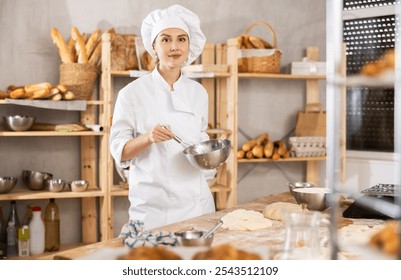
[(275, 210), (242, 219)]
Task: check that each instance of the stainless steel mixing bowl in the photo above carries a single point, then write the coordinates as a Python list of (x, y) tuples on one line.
[(7, 184), (194, 238), (18, 122), (79, 185), (314, 198), (208, 154), (296, 185), (55, 185), (35, 180)]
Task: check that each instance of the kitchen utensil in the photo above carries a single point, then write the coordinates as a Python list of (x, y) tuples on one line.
[(314, 198), (213, 229), (7, 184), (293, 185), (18, 122), (55, 185), (216, 152), (194, 238), (35, 180), (182, 143), (79, 185)]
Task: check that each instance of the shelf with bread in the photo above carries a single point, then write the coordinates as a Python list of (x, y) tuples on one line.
[(67, 96), (312, 96)]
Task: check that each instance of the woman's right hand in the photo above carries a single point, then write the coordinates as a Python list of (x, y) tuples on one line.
[(161, 133)]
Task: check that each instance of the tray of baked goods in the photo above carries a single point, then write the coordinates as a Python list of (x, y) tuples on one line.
[(382, 190)]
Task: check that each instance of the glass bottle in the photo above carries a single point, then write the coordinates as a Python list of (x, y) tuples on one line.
[(37, 232), (11, 240), (3, 235), (28, 214), (52, 227), (14, 215)]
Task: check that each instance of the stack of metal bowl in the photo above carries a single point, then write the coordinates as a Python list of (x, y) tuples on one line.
[(35, 180)]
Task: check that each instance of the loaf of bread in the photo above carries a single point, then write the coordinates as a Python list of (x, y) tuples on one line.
[(93, 41), (225, 252), (385, 62), (387, 239), (4, 94), (150, 253)]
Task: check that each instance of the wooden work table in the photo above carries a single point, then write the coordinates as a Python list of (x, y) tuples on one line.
[(271, 238)]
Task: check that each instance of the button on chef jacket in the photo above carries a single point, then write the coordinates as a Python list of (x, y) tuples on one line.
[(164, 187)]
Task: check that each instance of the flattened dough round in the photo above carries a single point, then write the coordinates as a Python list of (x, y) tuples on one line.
[(242, 219), (275, 210)]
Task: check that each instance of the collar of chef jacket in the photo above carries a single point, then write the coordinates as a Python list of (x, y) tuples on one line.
[(178, 96)]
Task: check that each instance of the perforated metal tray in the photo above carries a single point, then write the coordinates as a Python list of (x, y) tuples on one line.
[(382, 190)]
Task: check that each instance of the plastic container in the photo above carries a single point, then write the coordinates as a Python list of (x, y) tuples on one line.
[(52, 227), (37, 232)]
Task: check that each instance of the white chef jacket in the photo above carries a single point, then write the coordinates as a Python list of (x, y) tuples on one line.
[(163, 186)]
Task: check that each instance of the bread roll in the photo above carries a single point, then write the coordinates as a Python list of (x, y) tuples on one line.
[(56, 97), (247, 43), (150, 253), (256, 42), (275, 155), (79, 45), (257, 151), (247, 146), (249, 155), (281, 147), (240, 154), (11, 88), (268, 149), (387, 239), (62, 88), (69, 95), (58, 40), (262, 139), (4, 94), (41, 93), (225, 252), (240, 42)]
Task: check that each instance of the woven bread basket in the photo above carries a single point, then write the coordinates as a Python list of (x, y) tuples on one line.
[(80, 78), (260, 60)]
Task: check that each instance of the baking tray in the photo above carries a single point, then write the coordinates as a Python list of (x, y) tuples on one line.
[(382, 190)]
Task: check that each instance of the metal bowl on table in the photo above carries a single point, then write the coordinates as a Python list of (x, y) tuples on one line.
[(7, 184), (55, 185), (208, 154), (18, 122), (315, 199), (79, 185), (295, 185), (194, 238), (35, 180)]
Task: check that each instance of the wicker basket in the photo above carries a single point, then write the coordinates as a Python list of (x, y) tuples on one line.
[(80, 78), (260, 60)]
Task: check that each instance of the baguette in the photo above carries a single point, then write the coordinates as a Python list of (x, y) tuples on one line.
[(262, 139), (18, 93), (240, 42), (79, 45), (275, 155), (247, 43), (11, 88), (96, 54), (4, 94), (256, 42), (30, 89), (69, 95), (58, 40), (56, 97), (281, 147), (41, 94), (71, 50), (93, 41)]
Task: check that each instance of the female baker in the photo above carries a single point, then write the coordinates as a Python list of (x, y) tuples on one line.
[(163, 186)]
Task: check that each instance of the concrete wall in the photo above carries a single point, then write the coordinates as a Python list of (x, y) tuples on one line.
[(27, 55)]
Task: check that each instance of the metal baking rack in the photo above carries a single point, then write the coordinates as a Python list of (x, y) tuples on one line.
[(382, 190)]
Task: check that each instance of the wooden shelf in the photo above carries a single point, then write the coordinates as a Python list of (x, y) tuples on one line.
[(189, 74), (50, 133), (63, 247), (89, 102), (25, 194), (281, 159), (281, 76)]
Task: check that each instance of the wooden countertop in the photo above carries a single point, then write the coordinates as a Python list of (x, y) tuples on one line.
[(272, 238)]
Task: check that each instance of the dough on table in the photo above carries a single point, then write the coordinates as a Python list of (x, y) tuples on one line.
[(242, 219), (275, 210)]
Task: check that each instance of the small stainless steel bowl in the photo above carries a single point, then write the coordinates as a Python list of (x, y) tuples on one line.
[(55, 185), (35, 180), (79, 185), (7, 184), (208, 154), (314, 198), (194, 238), (296, 185), (18, 122)]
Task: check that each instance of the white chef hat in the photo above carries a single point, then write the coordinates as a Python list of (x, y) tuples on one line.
[(175, 16)]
